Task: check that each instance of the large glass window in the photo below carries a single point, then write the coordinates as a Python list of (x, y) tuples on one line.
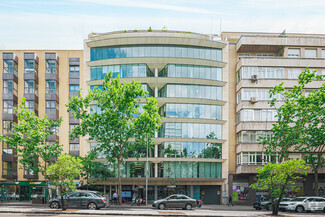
[(170, 110), (156, 51), (191, 91), (52, 107), (124, 71), (254, 158), (192, 71), (260, 94), (7, 127), (51, 87), (8, 106), (51, 66), (190, 150), (191, 170), (256, 115), (31, 105), (31, 87), (9, 86), (31, 67), (10, 66), (74, 147), (251, 136), (191, 130), (246, 72)]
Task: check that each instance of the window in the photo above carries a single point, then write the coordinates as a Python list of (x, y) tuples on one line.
[(74, 147), (7, 127), (10, 66), (294, 52), (323, 53), (10, 86), (265, 55), (72, 126), (31, 67), (243, 55), (74, 87), (31, 105), (55, 131), (260, 94), (52, 107), (254, 158), (9, 168), (8, 106), (246, 72), (6, 149), (256, 115), (74, 69), (310, 53), (293, 73), (31, 87), (251, 136), (51, 87), (51, 66)]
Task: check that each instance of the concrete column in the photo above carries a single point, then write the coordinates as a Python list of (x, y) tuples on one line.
[(156, 170), (230, 184), (110, 191), (156, 192), (309, 185), (156, 91), (156, 150), (104, 189), (156, 72), (156, 134), (251, 192), (191, 191)]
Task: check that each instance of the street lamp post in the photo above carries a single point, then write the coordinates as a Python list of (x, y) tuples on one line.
[(147, 171)]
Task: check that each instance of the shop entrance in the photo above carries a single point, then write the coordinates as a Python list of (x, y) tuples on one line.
[(24, 193), (210, 194)]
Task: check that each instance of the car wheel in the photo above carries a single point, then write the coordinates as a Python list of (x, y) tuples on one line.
[(92, 206), (55, 205), (161, 206), (300, 209), (188, 206), (258, 208)]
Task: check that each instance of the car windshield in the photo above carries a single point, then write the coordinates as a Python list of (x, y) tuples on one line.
[(298, 199), (97, 194)]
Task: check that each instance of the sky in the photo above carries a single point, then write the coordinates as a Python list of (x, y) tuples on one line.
[(65, 24)]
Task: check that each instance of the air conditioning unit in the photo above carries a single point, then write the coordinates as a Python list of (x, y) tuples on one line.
[(253, 100), (254, 78)]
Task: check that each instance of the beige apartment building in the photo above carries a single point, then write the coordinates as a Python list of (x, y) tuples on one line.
[(212, 92)]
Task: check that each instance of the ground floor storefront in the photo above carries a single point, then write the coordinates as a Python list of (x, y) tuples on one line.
[(242, 194), (209, 194)]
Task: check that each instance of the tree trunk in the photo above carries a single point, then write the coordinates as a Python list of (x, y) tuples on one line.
[(62, 200), (316, 181), (119, 183)]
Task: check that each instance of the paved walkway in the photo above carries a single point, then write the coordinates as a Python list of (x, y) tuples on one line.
[(127, 210)]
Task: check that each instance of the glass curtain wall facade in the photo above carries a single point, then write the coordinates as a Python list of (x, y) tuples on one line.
[(191, 130)]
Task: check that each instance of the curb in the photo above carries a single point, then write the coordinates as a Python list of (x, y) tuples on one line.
[(115, 214)]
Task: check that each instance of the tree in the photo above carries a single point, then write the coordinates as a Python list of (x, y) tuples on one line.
[(278, 179), (63, 173), (28, 138), (122, 122), (300, 125)]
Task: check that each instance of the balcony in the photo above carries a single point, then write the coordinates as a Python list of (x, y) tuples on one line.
[(52, 76), (10, 76), (254, 125), (74, 153), (73, 120), (52, 115), (9, 117), (247, 169), (280, 62), (270, 43), (249, 147)]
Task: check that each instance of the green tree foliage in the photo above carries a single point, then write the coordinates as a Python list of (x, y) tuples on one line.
[(63, 173), (278, 179), (123, 123), (29, 137), (300, 125)]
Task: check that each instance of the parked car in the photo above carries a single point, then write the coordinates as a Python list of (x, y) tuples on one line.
[(175, 201), (81, 199), (267, 204), (301, 204)]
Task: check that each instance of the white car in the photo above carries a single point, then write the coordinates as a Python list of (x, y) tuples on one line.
[(301, 204)]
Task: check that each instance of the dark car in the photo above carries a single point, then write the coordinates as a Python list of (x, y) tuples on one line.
[(175, 201), (81, 199), (267, 204)]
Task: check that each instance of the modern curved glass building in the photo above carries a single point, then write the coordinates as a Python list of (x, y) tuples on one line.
[(185, 72)]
